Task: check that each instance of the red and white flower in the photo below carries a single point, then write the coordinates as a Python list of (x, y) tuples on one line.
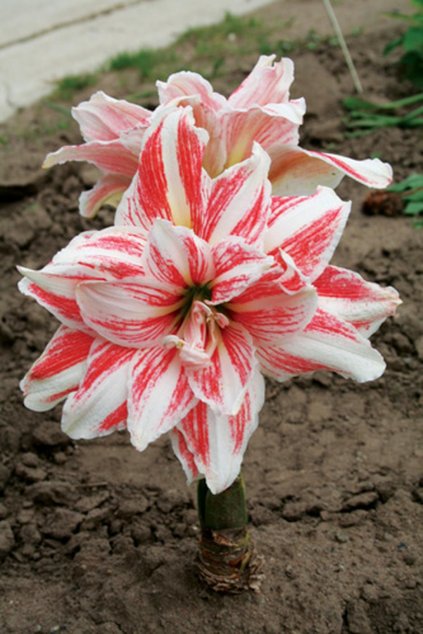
[(171, 318), (258, 111)]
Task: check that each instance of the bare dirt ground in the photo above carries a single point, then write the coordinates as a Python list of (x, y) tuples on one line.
[(96, 538)]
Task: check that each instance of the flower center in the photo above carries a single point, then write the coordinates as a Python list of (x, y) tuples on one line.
[(199, 293)]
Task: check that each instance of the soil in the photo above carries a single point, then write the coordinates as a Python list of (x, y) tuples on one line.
[(96, 538)]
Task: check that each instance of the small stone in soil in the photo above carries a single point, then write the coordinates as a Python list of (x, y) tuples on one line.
[(51, 492), (62, 523), (30, 474), (5, 473), (49, 434), (7, 539)]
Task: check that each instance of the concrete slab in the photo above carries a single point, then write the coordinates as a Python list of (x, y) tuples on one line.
[(44, 40)]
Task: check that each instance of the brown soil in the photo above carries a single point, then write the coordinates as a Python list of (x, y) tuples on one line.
[(96, 538)]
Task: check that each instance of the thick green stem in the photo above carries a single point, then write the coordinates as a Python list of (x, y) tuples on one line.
[(227, 560)]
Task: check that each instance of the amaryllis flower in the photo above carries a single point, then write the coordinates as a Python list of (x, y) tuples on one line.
[(259, 110), (112, 130), (171, 318)]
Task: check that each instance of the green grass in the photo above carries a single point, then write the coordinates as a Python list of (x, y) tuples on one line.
[(67, 86), (146, 61)]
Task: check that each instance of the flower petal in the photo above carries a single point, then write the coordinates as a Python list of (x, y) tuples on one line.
[(133, 313), (112, 253), (297, 172), (160, 395), (187, 84), (55, 293), (218, 442), (190, 89), (347, 296), (239, 201), (176, 256), (169, 180), (184, 455), (109, 156), (266, 83), (57, 371), (308, 228), (98, 407), (327, 343), (108, 190), (223, 383), (268, 312), (93, 255), (103, 118), (266, 125), (238, 265)]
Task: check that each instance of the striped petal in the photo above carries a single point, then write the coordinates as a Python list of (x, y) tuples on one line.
[(266, 125), (266, 83), (238, 265), (98, 255), (112, 253), (99, 407), (222, 384), (109, 156), (268, 312), (184, 455), (160, 395), (176, 256), (169, 180), (297, 172), (347, 296), (190, 89), (327, 343), (55, 293), (187, 84), (307, 228), (103, 118), (239, 201), (107, 191), (134, 313), (218, 442), (58, 371)]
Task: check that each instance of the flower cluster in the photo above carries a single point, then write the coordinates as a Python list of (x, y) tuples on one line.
[(207, 281)]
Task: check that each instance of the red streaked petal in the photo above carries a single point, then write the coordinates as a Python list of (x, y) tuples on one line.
[(239, 202), (109, 156), (307, 228), (218, 442), (266, 125), (268, 82), (223, 383), (184, 455), (187, 84), (58, 371), (112, 253), (268, 312), (327, 343), (133, 313), (176, 256), (160, 395), (238, 265), (103, 118), (109, 254), (98, 407), (297, 172), (55, 293), (169, 181), (108, 190), (347, 296)]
